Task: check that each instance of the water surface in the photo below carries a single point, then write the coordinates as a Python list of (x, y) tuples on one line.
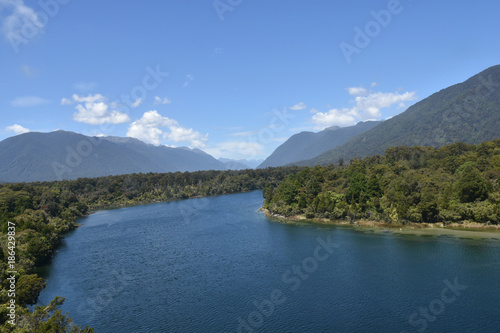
[(219, 265)]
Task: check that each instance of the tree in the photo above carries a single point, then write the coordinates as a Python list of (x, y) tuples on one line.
[(373, 187), (313, 187), (28, 287), (471, 185), (357, 187)]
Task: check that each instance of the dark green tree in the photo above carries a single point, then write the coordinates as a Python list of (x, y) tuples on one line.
[(471, 185)]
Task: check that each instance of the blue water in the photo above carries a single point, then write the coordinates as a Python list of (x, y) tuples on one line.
[(219, 265)]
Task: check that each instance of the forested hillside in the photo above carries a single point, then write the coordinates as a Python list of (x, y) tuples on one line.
[(455, 183)]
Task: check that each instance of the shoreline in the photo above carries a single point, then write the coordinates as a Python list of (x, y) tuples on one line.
[(465, 229)]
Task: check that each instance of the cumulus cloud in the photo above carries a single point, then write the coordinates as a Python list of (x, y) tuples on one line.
[(94, 110), (159, 100), (28, 101), (339, 117), (357, 91), (136, 103), (66, 101), (367, 106), (18, 129), (155, 128), (299, 106), (88, 99)]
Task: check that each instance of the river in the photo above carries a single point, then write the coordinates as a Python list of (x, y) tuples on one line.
[(219, 265)]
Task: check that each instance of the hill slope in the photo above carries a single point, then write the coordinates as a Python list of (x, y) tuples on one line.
[(466, 112), (306, 145), (65, 155)]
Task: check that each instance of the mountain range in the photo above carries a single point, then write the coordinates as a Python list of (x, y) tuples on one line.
[(307, 145), (466, 112), (66, 155), (240, 164)]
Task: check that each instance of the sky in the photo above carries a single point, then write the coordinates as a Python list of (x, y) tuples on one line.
[(235, 78)]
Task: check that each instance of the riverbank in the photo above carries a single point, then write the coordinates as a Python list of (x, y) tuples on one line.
[(466, 229)]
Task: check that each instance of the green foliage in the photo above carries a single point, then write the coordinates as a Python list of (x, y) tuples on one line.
[(417, 184), (471, 186)]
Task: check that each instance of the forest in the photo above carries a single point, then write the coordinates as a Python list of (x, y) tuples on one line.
[(43, 212), (452, 184)]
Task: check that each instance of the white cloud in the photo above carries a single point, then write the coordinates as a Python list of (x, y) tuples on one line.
[(18, 129), (182, 134), (18, 15), (370, 106), (342, 117), (299, 106), (66, 101), (236, 149), (373, 84), (93, 110), (365, 108), (136, 103), (28, 101), (88, 99), (357, 91), (159, 100), (246, 133), (155, 128)]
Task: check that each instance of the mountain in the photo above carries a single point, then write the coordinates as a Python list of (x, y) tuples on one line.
[(240, 164), (66, 155), (466, 112), (233, 164), (307, 145)]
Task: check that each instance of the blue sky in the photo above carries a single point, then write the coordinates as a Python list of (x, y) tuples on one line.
[(233, 77)]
